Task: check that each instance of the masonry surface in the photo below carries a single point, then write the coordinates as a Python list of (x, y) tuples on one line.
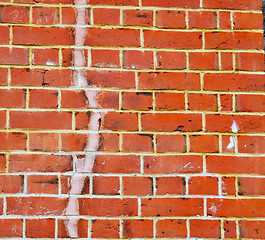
[(124, 119)]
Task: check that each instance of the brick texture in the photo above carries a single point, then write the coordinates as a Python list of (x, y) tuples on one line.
[(132, 119)]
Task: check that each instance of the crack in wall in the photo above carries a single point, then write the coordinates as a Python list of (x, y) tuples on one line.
[(85, 164)]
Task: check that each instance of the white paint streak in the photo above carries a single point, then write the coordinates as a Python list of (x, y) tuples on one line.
[(234, 127), (83, 165), (231, 145), (213, 208), (50, 63)]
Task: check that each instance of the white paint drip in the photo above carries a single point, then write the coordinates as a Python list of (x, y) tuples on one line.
[(231, 145), (234, 127), (83, 165)]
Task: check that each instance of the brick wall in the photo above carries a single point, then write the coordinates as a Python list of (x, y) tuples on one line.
[(132, 119)]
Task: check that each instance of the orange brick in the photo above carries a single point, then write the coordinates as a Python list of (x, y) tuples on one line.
[(137, 186), (203, 186), (171, 228), (204, 143), (138, 17), (203, 19), (106, 185), (170, 19), (106, 16), (170, 185)]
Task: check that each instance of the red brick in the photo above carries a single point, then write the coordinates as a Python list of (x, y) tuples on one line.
[(234, 82), (173, 40), (170, 19), (171, 228), (171, 60), (47, 1), (112, 37), (205, 102), (109, 142), (121, 121), (167, 80), (12, 98), (225, 20), (40, 98), (233, 40), (74, 141), (40, 120), (251, 144), (2, 119), (3, 76), (235, 165), (40, 228), (137, 101), (172, 207), (170, 101), (227, 123), (47, 142), (250, 103), (227, 4), (11, 184), (117, 164), (227, 61), (236, 207), (226, 101), (42, 184), (171, 122), (228, 186), (108, 99), (105, 228), (137, 143), (205, 228), (14, 14), (14, 56), (139, 186), (248, 21), (82, 120), (68, 15), (111, 207), (203, 60), (250, 61), (41, 77), (13, 141), (204, 143), (45, 15), (228, 144), (230, 229), (170, 185), (252, 229), (11, 228), (43, 36), (2, 163), (116, 2), (35, 206), (203, 186), (4, 32), (106, 16), (138, 59), (164, 143), (111, 79), (202, 19), (134, 228), (172, 164), (74, 99), (169, 3), (138, 17), (48, 57), (82, 226), (105, 58), (39, 163), (249, 186), (106, 185)]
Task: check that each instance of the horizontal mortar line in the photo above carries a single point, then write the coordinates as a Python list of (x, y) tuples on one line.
[(136, 27), (129, 48), (127, 7), (131, 111), (90, 196), (127, 132), (145, 175), (137, 154), (86, 217)]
